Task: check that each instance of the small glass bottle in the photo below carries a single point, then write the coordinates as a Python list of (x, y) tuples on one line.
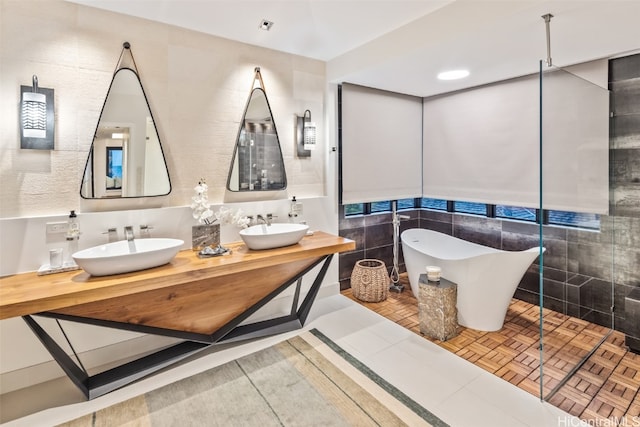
[(296, 209), (73, 229), (73, 234)]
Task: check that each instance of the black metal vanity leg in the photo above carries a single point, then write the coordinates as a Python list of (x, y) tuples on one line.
[(77, 375), (305, 307), (233, 331), (296, 297), (114, 378)]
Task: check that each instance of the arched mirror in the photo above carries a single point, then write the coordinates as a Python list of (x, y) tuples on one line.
[(257, 163), (126, 157)]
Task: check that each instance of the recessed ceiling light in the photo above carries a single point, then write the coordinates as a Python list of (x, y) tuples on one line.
[(265, 24), (453, 75)]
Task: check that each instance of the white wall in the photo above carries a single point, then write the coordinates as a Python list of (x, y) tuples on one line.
[(197, 86)]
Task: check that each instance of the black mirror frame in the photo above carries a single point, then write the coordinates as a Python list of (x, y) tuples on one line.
[(240, 128), (126, 46)]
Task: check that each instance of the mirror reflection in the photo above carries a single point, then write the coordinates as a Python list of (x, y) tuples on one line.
[(257, 163), (126, 158)]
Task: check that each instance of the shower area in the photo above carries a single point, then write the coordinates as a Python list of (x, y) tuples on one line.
[(588, 274), (579, 266)]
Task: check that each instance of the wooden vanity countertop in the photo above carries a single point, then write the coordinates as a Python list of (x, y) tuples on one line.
[(28, 293)]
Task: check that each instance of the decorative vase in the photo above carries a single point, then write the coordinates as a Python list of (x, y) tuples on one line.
[(370, 280), (205, 235)]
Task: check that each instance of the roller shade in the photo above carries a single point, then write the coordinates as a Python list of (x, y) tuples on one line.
[(381, 145), (482, 144)]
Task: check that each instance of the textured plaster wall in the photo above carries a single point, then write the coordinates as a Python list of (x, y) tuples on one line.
[(197, 86)]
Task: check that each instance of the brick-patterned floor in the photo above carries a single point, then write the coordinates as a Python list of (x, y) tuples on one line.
[(606, 386)]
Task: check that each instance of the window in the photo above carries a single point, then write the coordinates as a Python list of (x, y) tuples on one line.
[(354, 209), (375, 207), (574, 219), (516, 212), (381, 206), (553, 217), (470, 208), (406, 204), (437, 204)]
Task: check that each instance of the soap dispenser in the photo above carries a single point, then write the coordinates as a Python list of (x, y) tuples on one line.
[(73, 234), (295, 210), (73, 229)]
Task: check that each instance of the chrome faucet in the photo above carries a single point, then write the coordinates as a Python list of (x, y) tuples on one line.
[(267, 220), (259, 218), (128, 233)]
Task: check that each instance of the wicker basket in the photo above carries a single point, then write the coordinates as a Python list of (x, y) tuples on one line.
[(370, 281)]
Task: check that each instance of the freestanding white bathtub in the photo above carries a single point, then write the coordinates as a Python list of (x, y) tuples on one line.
[(486, 277)]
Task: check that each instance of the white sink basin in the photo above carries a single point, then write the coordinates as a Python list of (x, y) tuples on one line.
[(264, 236), (124, 256)]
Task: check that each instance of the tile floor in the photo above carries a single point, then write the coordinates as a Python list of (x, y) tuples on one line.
[(454, 389)]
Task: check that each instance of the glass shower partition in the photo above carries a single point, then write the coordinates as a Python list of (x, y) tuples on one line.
[(576, 288)]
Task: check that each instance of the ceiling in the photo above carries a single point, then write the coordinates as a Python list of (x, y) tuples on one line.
[(401, 45)]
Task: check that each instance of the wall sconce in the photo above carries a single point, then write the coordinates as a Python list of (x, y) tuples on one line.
[(305, 135), (36, 117)]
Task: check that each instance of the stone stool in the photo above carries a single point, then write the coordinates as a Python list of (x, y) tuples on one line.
[(437, 310)]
